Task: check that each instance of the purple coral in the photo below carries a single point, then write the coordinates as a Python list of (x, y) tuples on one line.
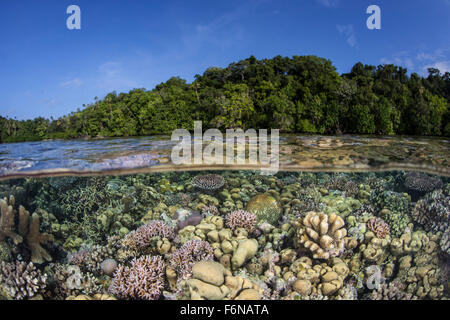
[(144, 279), (241, 219), (141, 237), (208, 182), (21, 281), (379, 227), (191, 252)]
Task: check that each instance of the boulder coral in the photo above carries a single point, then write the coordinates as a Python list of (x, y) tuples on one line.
[(211, 281)]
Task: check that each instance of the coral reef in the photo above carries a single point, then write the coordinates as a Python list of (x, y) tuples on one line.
[(142, 237), (143, 279), (433, 212), (241, 219), (265, 207), (379, 227), (28, 229), (421, 182), (191, 252), (21, 281), (208, 182), (322, 234), (231, 235)]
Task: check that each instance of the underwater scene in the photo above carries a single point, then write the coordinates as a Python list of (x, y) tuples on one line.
[(226, 235)]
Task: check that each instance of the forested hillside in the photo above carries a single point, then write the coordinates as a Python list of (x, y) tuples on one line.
[(302, 94)]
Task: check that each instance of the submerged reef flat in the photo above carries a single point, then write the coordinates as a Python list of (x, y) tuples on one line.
[(232, 235)]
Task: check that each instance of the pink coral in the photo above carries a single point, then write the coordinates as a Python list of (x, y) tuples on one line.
[(144, 279), (241, 219), (191, 252), (141, 237), (379, 227)]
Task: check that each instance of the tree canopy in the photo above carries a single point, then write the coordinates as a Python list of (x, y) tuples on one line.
[(303, 94)]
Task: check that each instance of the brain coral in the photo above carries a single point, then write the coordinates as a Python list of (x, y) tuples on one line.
[(241, 219), (322, 234), (265, 208), (144, 279)]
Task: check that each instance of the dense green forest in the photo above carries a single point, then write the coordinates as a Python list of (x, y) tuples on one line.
[(299, 94)]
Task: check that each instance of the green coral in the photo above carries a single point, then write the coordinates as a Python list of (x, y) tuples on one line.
[(395, 208)]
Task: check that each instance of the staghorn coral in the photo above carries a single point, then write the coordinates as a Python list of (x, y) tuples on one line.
[(21, 281), (241, 219), (190, 253), (379, 227), (322, 234), (208, 182), (28, 229), (143, 279)]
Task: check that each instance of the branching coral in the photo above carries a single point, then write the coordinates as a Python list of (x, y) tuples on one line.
[(90, 259), (21, 281), (140, 238), (191, 252), (391, 291), (241, 219), (210, 210), (322, 234), (379, 227), (143, 279), (208, 182)]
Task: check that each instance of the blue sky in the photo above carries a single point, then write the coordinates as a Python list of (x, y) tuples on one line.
[(48, 70)]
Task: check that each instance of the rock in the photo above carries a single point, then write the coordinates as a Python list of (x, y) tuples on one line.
[(248, 294), (199, 289)]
